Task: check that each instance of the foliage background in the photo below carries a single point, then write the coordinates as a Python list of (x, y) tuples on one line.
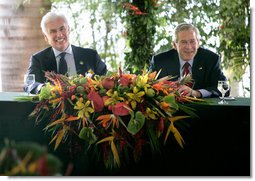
[(126, 37)]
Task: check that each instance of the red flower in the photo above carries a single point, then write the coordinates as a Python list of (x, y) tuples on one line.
[(42, 165), (108, 83), (123, 81), (120, 109), (160, 126), (98, 101)]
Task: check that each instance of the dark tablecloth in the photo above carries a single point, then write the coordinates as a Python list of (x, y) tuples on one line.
[(217, 143)]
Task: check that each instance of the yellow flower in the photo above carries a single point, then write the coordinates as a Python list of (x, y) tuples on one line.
[(142, 82), (135, 97), (150, 114), (114, 98), (84, 109)]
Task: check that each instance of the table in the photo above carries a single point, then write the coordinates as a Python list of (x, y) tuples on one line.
[(13, 119), (217, 143)]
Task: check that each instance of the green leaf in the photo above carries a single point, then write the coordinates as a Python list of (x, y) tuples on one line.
[(88, 135), (27, 98), (170, 99), (45, 93), (154, 141), (188, 110), (135, 125)]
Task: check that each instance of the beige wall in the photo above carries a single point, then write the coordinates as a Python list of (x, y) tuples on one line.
[(20, 36)]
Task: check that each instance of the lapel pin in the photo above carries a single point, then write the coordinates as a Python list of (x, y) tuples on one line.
[(200, 68)]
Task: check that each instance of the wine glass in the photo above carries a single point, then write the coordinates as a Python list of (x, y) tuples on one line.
[(223, 87), (29, 79)]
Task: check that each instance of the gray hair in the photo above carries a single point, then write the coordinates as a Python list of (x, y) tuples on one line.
[(50, 16), (185, 27)]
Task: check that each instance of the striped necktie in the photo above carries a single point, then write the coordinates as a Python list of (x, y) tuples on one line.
[(186, 68)]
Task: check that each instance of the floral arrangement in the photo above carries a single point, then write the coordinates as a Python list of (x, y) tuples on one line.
[(28, 159), (115, 113)]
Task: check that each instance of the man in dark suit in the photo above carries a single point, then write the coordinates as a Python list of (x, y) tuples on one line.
[(77, 60), (203, 64)]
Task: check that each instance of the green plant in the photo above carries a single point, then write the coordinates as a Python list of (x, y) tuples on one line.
[(141, 27), (234, 33), (28, 158)]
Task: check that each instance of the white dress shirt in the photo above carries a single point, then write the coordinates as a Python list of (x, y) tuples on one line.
[(71, 68), (204, 92)]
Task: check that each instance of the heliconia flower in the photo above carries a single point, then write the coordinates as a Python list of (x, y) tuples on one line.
[(158, 86), (152, 76), (107, 120), (129, 76), (121, 109), (160, 126), (98, 101), (171, 84), (133, 9), (164, 105), (108, 83), (124, 82)]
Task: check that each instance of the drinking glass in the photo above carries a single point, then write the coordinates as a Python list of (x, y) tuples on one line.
[(223, 87), (29, 79)]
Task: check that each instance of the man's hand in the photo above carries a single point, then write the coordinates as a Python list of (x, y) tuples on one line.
[(186, 90)]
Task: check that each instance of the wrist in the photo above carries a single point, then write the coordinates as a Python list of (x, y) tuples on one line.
[(195, 93)]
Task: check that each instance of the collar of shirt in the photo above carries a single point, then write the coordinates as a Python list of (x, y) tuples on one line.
[(68, 50), (183, 62), (69, 60)]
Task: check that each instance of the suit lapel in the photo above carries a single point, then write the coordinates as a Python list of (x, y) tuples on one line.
[(52, 63), (198, 68), (79, 61), (173, 67)]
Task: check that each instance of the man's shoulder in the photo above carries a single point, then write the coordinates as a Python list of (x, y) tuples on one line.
[(81, 49), (43, 52), (167, 53), (206, 52)]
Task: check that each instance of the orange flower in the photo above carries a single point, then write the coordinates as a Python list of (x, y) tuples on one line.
[(107, 120), (164, 105), (158, 86)]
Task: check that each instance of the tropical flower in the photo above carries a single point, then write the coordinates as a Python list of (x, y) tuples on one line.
[(28, 159), (117, 113)]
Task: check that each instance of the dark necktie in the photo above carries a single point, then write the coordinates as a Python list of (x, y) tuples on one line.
[(185, 68), (62, 64)]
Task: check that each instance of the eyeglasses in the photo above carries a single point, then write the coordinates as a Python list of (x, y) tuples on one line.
[(185, 42)]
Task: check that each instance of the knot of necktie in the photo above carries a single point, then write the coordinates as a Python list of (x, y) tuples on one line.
[(62, 64)]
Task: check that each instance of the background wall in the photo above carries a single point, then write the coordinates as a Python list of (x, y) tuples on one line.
[(20, 36)]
